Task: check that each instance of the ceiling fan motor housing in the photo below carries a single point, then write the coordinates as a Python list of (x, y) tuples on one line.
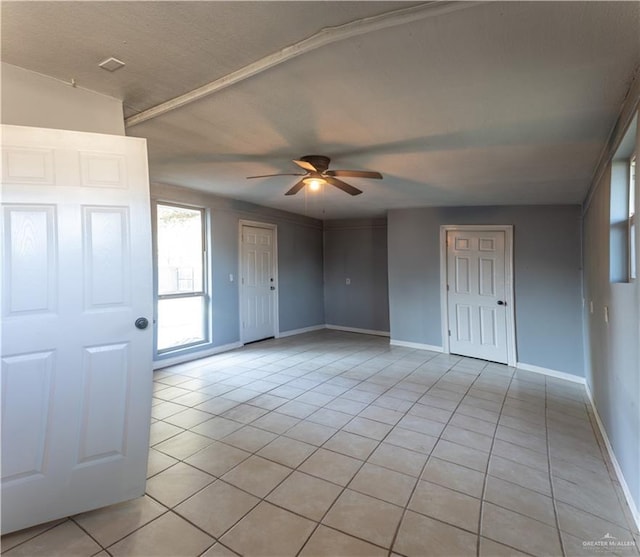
[(319, 162)]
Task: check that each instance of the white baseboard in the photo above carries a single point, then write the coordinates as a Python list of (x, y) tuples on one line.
[(301, 331), (552, 373), (159, 364), (417, 345), (623, 484), (356, 330)]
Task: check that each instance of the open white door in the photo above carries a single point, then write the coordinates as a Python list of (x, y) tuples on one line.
[(76, 371), (258, 282), (478, 294)]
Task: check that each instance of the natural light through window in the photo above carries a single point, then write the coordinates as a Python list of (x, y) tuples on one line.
[(633, 272), (181, 277)]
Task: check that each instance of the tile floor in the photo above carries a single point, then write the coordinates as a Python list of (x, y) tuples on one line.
[(336, 444)]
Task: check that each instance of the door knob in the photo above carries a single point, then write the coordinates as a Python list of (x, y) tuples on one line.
[(273, 288), (142, 323), (501, 303)]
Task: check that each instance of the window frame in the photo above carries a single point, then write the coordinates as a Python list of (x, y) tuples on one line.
[(632, 177), (202, 293)]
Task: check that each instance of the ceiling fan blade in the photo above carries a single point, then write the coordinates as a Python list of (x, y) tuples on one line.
[(343, 185), (306, 165), (270, 175), (355, 174), (295, 189)]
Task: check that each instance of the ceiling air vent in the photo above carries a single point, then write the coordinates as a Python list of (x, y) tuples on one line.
[(111, 64)]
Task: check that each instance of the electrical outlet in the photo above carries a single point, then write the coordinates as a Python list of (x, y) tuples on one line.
[(590, 306), (606, 314), (348, 281), (230, 277)]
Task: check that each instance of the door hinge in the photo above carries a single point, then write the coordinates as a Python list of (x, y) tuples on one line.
[(447, 288), (449, 332)]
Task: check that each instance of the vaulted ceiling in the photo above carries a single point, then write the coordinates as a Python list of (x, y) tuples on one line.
[(464, 103)]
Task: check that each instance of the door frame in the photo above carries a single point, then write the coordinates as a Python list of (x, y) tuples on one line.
[(508, 283), (276, 302)]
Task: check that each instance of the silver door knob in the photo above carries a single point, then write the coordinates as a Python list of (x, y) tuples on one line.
[(142, 323)]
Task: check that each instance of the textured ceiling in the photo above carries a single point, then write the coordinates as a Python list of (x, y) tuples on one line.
[(496, 103)]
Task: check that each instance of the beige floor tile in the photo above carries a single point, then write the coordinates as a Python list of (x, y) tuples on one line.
[(183, 445), (65, 540), (218, 458), (219, 550), (267, 401), (305, 495), (454, 476), (467, 438), (15, 538), (177, 483), (525, 476), (316, 399), (597, 498), (521, 500), (268, 531), (188, 418), (384, 484), (364, 517), (521, 532), (368, 428), (586, 526), (307, 432), (275, 422), (399, 459), (161, 431), (257, 475), (420, 535), (346, 405), (331, 418), (534, 442), (164, 409), (157, 462), (411, 440), (421, 425), (167, 536), (217, 507), (522, 455), (216, 428), (431, 413), (249, 438), (489, 548), (446, 505), (331, 466), (110, 524), (384, 415), (327, 542), (217, 405), (351, 444), (244, 413), (297, 409), (287, 451), (473, 424)]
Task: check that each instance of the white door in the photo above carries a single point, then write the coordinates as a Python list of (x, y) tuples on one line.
[(477, 294), (76, 372), (258, 283)]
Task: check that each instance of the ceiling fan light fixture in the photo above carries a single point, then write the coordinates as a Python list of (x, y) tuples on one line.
[(314, 183)]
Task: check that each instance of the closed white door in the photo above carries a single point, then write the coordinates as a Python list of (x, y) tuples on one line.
[(258, 283), (476, 294), (76, 371)]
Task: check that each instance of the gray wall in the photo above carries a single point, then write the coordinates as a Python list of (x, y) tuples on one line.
[(612, 353), (547, 278), (299, 261), (356, 249), (33, 99)]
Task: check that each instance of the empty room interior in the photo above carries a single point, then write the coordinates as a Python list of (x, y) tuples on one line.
[(320, 278)]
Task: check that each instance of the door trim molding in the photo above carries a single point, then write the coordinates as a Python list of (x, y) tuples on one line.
[(276, 300), (509, 294)]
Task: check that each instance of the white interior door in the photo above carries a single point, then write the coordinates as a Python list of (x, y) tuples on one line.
[(76, 372), (477, 294), (258, 283)]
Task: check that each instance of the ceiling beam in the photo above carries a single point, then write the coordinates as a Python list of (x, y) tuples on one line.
[(325, 36)]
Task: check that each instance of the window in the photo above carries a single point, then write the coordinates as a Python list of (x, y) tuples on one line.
[(633, 272), (182, 297)]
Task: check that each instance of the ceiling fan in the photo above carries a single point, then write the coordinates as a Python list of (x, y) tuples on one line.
[(318, 173)]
